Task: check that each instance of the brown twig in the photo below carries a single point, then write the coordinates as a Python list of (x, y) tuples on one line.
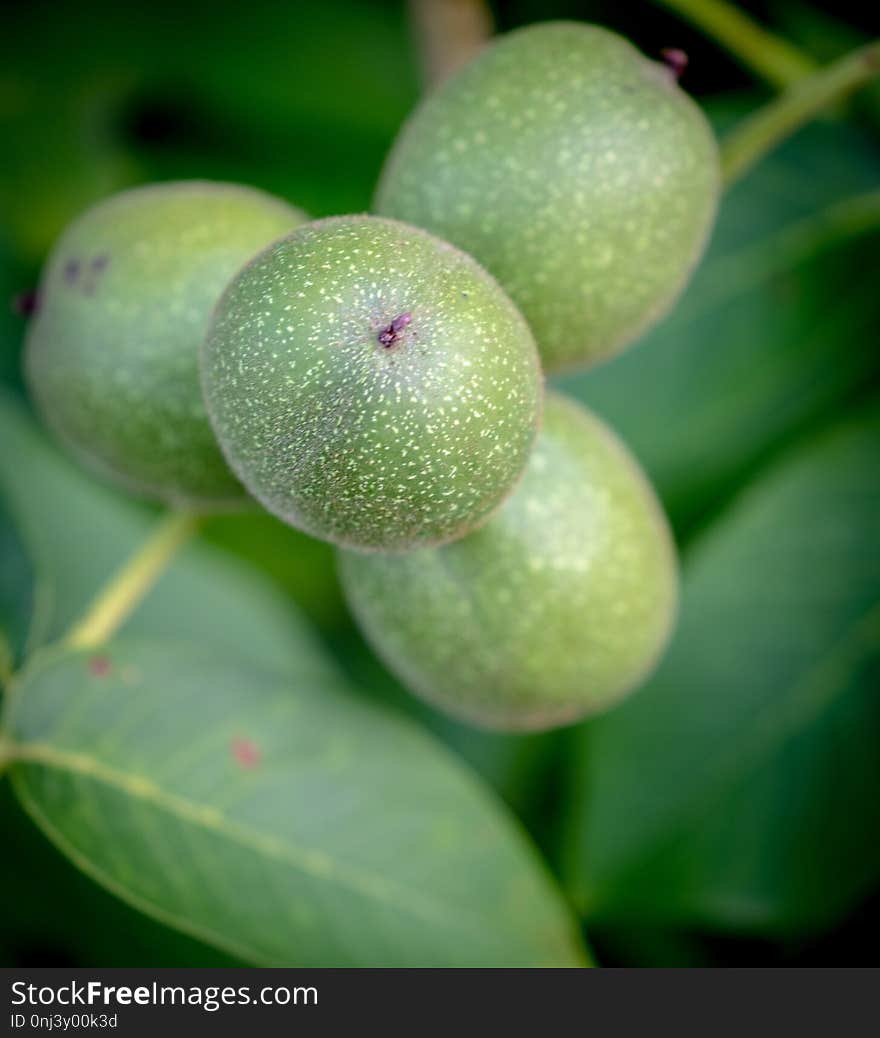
[(448, 33)]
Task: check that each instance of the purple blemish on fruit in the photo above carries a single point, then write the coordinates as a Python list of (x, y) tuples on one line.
[(245, 753), (26, 304), (675, 60), (391, 334), (93, 274), (71, 271), (99, 666)]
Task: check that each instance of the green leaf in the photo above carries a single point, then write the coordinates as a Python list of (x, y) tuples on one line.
[(277, 817), (269, 668), (521, 768), (17, 587), (55, 915), (304, 568), (302, 99), (79, 531), (740, 786), (776, 331)]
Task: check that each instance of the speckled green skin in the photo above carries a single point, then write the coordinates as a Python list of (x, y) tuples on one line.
[(572, 168), (371, 445), (551, 611), (112, 354)]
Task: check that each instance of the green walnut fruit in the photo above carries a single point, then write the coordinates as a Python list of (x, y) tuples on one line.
[(552, 610), (124, 303), (572, 168), (372, 385)]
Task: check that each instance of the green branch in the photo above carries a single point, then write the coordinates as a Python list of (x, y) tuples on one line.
[(771, 57), (125, 591), (761, 131)]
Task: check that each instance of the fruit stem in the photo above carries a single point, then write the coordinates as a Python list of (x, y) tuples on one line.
[(761, 131), (127, 588), (448, 33), (771, 57)]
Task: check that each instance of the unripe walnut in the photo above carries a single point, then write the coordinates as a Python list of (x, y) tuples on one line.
[(372, 385), (112, 352), (575, 170), (551, 611)]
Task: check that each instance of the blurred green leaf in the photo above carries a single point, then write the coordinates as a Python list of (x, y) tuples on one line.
[(740, 787), (80, 531), (279, 818), (17, 592), (777, 329), (301, 565), (60, 150), (53, 915), (519, 767), (301, 99)]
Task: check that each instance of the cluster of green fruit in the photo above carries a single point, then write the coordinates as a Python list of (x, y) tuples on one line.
[(377, 383)]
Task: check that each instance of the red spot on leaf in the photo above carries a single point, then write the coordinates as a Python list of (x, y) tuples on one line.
[(99, 666), (245, 753)]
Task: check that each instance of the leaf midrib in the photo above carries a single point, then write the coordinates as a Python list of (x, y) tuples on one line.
[(314, 863), (141, 904)]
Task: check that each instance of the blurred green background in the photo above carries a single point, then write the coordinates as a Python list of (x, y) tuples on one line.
[(729, 814)]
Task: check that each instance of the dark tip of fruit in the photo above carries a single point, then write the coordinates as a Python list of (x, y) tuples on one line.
[(71, 271), (675, 60), (26, 304), (391, 334)]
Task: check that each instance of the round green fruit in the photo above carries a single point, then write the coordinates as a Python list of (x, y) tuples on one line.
[(553, 610), (123, 306), (572, 168), (372, 385)]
